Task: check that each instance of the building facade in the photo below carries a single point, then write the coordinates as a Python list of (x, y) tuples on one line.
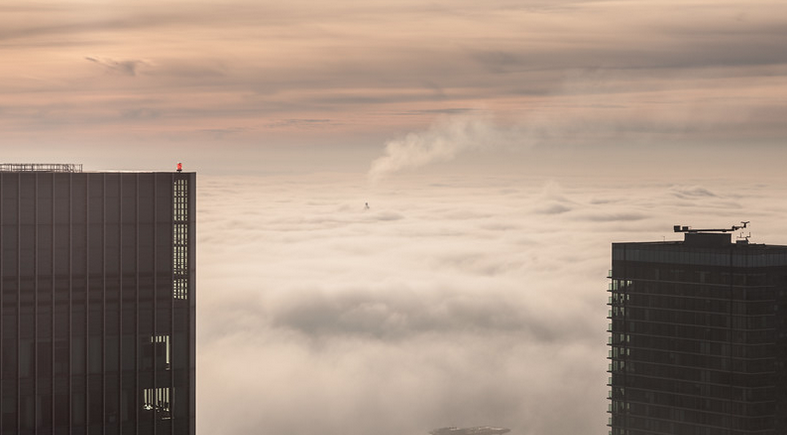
[(698, 333), (97, 296)]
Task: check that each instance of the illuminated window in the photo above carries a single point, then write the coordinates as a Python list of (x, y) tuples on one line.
[(162, 342), (157, 400)]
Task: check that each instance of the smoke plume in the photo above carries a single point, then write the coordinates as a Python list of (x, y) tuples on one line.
[(445, 138)]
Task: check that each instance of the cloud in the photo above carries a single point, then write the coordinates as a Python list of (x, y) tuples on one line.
[(221, 133), (122, 67), (613, 217), (552, 209), (397, 314), (447, 111), (299, 123), (692, 191), (552, 200), (140, 113)]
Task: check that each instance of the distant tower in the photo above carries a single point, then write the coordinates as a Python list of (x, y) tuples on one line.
[(97, 294), (698, 336)]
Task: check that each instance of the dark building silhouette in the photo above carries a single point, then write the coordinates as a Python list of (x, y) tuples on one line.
[(97, 295), (698, 339)]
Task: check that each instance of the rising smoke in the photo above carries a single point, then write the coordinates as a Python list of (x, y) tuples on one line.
[(447, 137)]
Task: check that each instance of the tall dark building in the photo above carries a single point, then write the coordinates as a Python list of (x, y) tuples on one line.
[(698, 339), (97, 295)]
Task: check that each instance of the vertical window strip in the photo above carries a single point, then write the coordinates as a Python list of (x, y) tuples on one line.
[(180, 241)]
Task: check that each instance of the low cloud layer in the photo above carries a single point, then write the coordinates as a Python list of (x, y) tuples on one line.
[(450, 301)]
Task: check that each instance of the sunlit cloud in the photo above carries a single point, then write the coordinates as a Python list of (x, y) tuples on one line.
[(459, 303)]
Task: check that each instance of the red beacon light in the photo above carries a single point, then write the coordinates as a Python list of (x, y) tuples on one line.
[(180, 167)]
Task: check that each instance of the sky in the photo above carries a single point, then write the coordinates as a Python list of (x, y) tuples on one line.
[(259, 86), (501, 145)]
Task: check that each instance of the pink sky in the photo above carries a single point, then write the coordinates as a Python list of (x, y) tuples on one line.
[(304, 84)]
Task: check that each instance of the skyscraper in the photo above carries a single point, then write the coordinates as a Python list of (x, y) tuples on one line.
[(97, 295), (698, 340)]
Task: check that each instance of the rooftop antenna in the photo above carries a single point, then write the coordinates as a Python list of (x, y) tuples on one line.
[(687, 229)]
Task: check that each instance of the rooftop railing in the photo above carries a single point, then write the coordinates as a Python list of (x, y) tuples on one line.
[(40, 167)]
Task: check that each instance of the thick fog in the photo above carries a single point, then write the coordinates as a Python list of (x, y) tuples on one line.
[(463, 301)]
